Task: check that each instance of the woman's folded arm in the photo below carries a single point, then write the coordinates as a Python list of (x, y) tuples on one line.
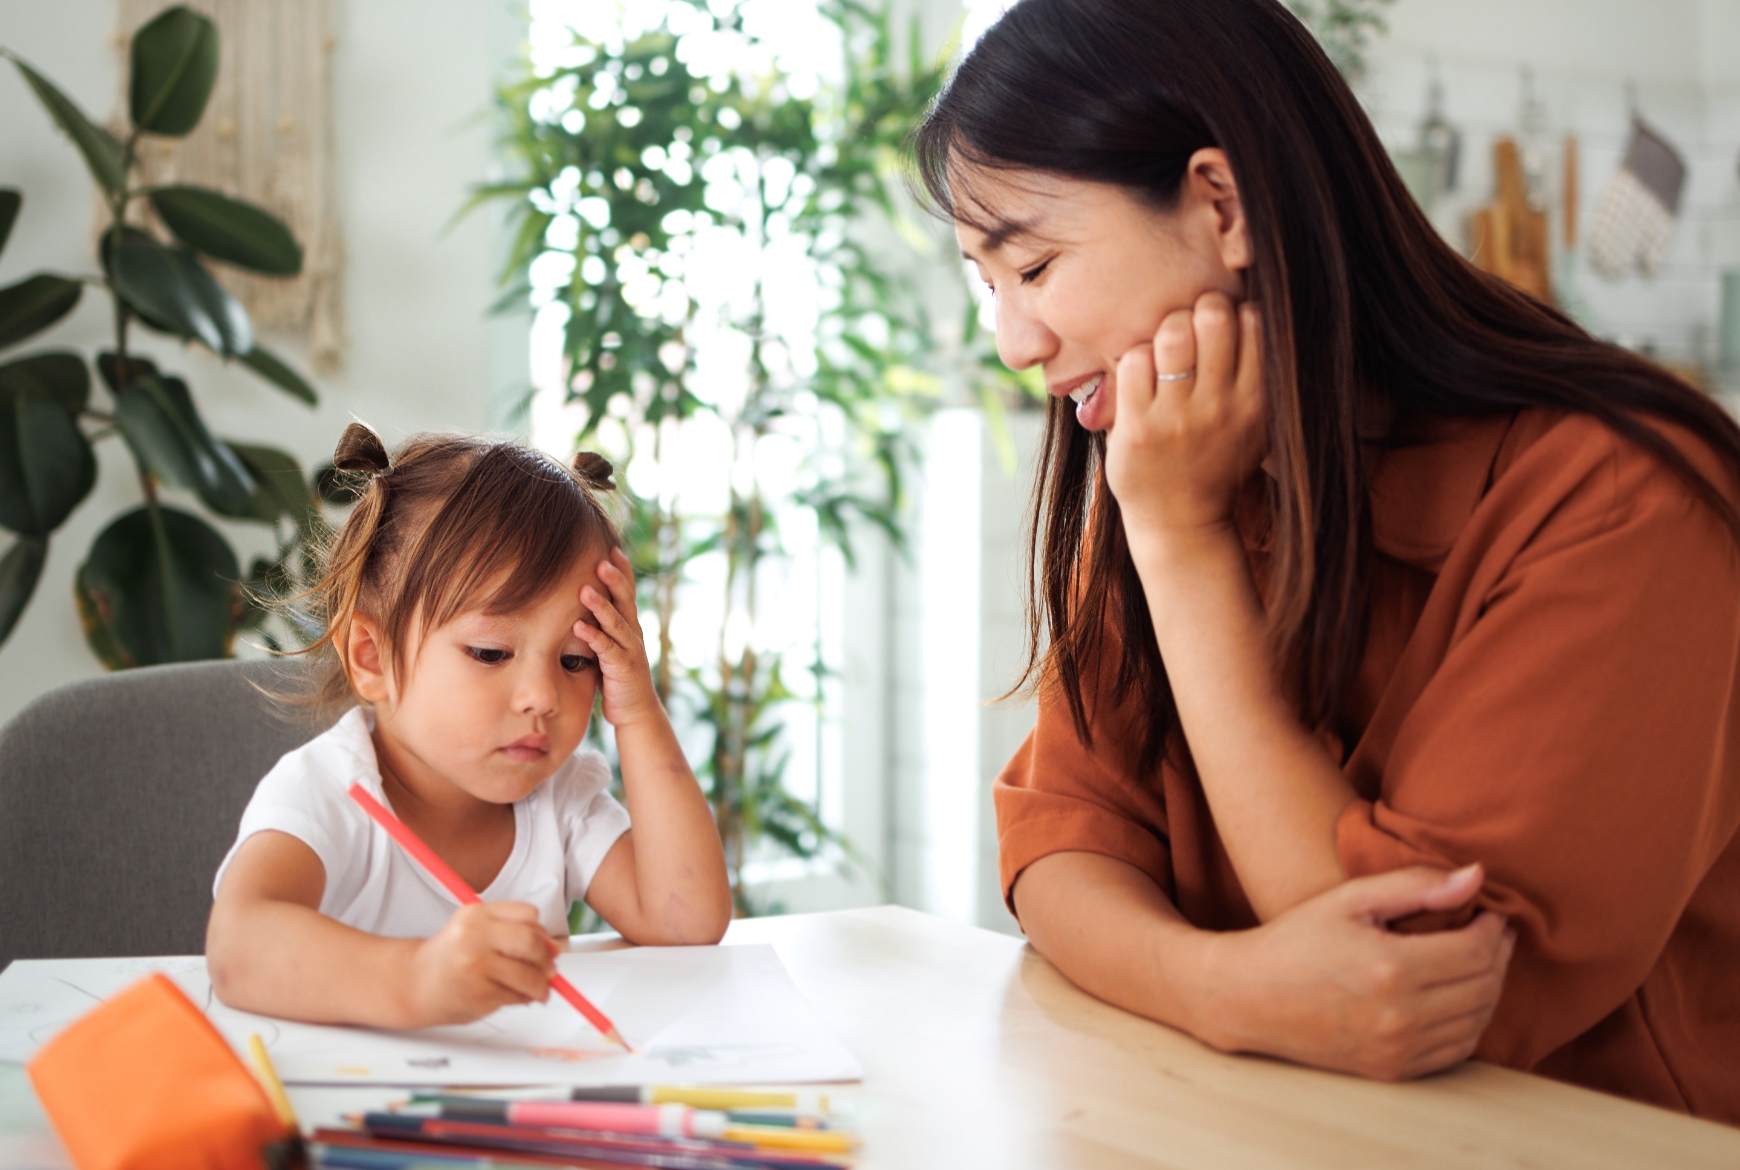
[(1325, 984)]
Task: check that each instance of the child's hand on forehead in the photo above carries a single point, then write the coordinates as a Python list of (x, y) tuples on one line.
[(616, 642)]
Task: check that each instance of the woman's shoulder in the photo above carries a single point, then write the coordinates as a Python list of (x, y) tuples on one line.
[(1536, 469), (1584, 466)]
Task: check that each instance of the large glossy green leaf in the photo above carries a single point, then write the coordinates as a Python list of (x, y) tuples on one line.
[(167, 286), (35, 303), (46, 463), (272, 368), (10, 202), (282, 490), (159, 586), (228, 229), (161, 425), (137, 367), (60, 376), (106, 245), (20, 569), (103, 155), (175, 65)]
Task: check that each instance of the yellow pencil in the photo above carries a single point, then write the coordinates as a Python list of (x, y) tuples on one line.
[(820, 1141), (706, 1098), (274, 1087)]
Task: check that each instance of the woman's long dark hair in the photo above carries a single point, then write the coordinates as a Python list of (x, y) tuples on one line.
[(1359, 296)]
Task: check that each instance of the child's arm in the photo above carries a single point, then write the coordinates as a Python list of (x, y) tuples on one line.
[(664, 881), (270, 950)]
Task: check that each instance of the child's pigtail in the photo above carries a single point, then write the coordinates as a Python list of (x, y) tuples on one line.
[(594, 471), (359, 452)]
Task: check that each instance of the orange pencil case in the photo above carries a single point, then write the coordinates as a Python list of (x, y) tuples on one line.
[(144, 1082)]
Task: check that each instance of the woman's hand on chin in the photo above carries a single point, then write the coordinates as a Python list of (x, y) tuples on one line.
[(1181, 446), (1328, 985)]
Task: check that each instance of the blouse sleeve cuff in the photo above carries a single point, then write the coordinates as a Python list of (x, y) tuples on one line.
[(1365, 848), (1037, 824)]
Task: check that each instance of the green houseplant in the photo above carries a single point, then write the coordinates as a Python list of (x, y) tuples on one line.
[(1345, 28), (159, 584), (630, 153)]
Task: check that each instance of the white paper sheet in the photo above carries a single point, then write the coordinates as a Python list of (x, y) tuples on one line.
[(696, 1015)]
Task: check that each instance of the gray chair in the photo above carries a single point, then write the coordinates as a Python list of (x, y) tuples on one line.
[(119, 797)]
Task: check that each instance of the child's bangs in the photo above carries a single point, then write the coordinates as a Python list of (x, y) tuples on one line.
[(509, 533)]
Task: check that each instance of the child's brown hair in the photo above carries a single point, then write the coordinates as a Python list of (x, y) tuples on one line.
[(442, 519)]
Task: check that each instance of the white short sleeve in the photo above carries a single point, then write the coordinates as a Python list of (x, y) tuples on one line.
[(590, 818), (304, 795)]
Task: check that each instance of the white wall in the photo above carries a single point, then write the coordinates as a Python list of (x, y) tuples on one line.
[(410, 97), (1719, 36), (1681, 56)]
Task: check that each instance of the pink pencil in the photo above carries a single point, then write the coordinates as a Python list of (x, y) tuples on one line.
[(443, 873)]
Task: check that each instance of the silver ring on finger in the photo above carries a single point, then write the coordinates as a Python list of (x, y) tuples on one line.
[(1180, 376)]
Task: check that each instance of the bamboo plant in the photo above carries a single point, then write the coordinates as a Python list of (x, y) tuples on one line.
[(159, 584)]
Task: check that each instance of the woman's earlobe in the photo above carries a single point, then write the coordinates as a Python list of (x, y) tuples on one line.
[(1235, 245), (1210, 174)]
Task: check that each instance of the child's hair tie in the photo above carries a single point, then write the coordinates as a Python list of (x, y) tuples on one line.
[(594, 471), (361, 450)]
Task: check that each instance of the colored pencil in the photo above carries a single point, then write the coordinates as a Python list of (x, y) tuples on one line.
[(660, 1120), (274, 1087), (423, 1150), (701, 1097), (331, 1157), (443, 873), (407, 1156), (608, 1116), (786, 1118), (525, 1140), (464, 1100)]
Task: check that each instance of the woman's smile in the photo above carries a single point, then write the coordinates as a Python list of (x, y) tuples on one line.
[(1083, 390), (1090, 405)]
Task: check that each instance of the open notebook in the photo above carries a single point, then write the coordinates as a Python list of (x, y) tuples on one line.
[(697, 1015)]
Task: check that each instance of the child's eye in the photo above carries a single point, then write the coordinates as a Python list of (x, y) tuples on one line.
[(575, 663), (1032, 274), (488, 656)]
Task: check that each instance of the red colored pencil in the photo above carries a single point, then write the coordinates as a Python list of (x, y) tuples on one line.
[(443, 873)]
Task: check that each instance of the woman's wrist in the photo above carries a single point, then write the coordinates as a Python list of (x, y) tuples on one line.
[(1113, 931), (1162, 552), (1191, 991)]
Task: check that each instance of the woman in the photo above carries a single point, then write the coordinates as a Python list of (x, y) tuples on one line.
[(1388, 623)]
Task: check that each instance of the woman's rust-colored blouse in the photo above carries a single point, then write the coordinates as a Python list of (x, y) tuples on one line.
[(1548, 689)]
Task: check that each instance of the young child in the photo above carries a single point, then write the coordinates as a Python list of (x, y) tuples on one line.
[(476, 601)]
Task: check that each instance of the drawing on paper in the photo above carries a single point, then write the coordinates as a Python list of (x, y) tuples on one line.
[(728, 1015)]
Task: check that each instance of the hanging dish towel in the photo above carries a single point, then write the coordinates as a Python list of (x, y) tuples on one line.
[(1638, 210)]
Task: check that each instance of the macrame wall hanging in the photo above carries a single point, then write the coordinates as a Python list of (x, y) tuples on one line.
[(266, 137)]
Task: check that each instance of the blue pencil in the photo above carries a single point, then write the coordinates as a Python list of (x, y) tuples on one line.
[(327, 1157), (357, 1158)]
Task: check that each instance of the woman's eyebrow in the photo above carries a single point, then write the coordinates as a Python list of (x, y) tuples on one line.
[(1001, 233)]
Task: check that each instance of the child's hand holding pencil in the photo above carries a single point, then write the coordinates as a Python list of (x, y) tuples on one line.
[(443, 873), (489, 955)]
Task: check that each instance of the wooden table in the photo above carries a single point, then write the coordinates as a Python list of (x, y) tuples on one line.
[(977, 1053)]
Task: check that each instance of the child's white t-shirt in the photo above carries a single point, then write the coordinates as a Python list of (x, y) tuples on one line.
[(561, 833)]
